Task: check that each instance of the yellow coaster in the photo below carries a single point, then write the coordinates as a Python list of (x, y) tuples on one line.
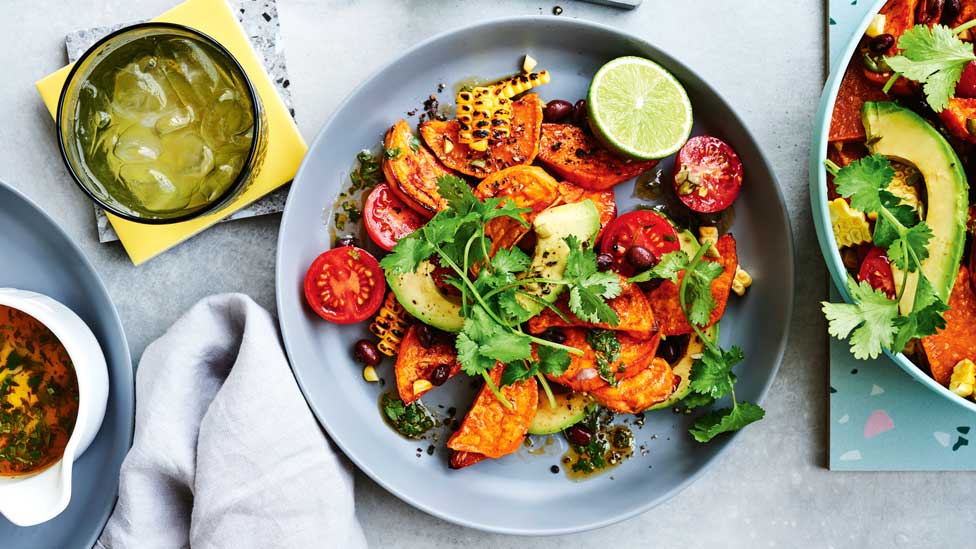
[(286, 148)]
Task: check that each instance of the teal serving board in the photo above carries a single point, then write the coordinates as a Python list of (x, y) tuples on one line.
[(881, 419)]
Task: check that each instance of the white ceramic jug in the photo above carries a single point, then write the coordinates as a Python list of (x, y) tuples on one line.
[(35, 498)]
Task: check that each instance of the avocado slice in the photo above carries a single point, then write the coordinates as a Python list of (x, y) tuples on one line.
[(552, 227), (420, 296), (570, 409), (682, 367), (900, 134)]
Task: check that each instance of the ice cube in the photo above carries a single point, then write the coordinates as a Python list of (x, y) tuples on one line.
[(153, 188), (229, 121), (226, 170), (138, 144), (137, 93), (176, 119), (187, 155)]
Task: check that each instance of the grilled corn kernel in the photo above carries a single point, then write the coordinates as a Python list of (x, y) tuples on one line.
[(483, 114), (389, 325), (904, 186), (741, 281), (422, 386), (850, 226), (963, 378), (529, 63), (708, 236), (369, 374), (520, 83), (877, 26)]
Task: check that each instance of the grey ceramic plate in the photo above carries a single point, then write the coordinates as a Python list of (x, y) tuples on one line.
[(518, 494), (35, 254)]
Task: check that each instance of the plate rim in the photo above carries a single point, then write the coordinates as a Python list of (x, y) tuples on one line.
[(130, 400), (821, 214), (780, 348)]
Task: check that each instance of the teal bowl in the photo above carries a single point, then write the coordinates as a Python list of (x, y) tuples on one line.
[(821, 215)]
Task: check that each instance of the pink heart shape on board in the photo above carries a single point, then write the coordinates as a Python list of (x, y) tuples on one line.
[(878, 423)]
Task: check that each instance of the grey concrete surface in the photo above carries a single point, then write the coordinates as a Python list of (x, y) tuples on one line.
[(766, 56)]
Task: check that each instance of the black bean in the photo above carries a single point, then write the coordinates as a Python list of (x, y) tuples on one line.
[(440, 374), (604, 261), (554, 335), (650, 285), (881, 43), (950, 11), (347, 240), (673, 347), (557, 110), (928, 11), (579, 113), (365, 352), (579, 435), (640, 258), (426, 335)]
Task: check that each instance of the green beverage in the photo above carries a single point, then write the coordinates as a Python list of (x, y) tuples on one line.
[(162, 125)]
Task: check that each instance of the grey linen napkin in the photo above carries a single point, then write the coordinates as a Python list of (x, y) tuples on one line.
[(226, 451)]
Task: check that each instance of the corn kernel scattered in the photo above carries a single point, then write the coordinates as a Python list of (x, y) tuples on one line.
[(529, 63), (850, 226), (370, 375), (963, 378), (741, 281), (877, 26), (422, 386), (708, 236)]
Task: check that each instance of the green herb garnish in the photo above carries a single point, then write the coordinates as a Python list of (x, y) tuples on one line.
[(934, 57), (409, 420), (873, 322), (607, 348)]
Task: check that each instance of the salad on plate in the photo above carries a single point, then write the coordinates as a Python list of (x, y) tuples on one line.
[(495, 251)]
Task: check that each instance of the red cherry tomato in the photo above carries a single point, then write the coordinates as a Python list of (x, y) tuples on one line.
[(967, 82), (876, 270), (707, 174), (387, 218), (639, 228), (345, 285)]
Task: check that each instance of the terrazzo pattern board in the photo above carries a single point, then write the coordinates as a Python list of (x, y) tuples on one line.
[(881, 418), (260, 21)]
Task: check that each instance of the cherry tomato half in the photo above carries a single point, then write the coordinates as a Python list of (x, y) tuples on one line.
[(345, 285), (967, 82), (876, 270), (639, 228), (707, 174), (387, 218)]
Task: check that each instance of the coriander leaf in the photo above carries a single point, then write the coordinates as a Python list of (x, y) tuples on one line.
[(518, 371), (712, 373), (698, 290), (670, 266), (407, 255), (503, 207), (696, 400), (925, 318), (443, 228), (869, 322), (917, 240), (511, 308), (552, 361), (506, 347), (935, 57), (392, 154), (510, 260), (606, 347), (590, 307), (589, 288), (726, 420), (469, 355), (863, 180), (414, 144), (458, 194)]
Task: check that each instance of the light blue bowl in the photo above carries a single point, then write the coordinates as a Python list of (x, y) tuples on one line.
[(821, 216)]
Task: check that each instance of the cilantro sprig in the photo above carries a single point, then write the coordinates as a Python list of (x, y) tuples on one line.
[(874, 322), (711, 374), (494, 287), (934, 57)]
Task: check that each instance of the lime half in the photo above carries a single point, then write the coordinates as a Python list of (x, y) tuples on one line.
[(639, 109)]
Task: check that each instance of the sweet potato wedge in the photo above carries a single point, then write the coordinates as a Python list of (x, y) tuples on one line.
[(635, 394), (604, 200), (528, 187), (579, 158), (412, 174), (492, 430), (581, 375), (636, 315), (855, 89), (955, 115), (958, 340), (520, 147), (664, 299), (416, 362)]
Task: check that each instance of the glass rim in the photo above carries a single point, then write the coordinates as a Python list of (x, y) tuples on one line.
[(245, 171)]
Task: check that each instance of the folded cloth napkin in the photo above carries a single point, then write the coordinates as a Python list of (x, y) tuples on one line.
[(226, 451)]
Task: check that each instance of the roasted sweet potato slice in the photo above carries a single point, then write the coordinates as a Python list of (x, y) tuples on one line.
[(664, 299), (604, 200), (579, 158), (636, 315), (416, 362), (412, 173), (527, 186), (520, 147), (492, 430), (954, 117), (958, 340), (582, 375), (635, 394), (855, 89)]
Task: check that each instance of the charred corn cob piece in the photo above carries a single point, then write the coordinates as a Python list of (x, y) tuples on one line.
[(484, 114), (389, 325), (850, 226), (963, 378), (512, 86)]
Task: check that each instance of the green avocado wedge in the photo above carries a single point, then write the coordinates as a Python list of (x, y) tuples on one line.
[(420, 296), (570, 409), (682, 368), (901, 135)]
